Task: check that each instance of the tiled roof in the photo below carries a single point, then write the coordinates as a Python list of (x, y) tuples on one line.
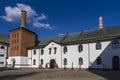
[(57, 39), (4, 38), (105, 33)]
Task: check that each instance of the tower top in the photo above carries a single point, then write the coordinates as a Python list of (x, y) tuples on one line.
[(100, 22), (23, 19)]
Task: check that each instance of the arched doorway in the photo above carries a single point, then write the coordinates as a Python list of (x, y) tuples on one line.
[(115, 63), (52, 63)]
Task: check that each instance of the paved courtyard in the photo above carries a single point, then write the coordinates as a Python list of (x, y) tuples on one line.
[(37, 74)]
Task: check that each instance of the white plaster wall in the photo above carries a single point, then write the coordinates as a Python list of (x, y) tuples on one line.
[(20, 61), (89, 55), (4, 52), (73, 55), (106, 53), (47, 57)]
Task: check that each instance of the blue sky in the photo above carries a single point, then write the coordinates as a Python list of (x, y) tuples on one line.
[(52, 17)]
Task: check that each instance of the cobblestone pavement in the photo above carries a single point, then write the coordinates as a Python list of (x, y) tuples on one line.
[(37, 74)]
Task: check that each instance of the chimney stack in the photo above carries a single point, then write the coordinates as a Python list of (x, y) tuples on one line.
[(23, 19), (100, 22)]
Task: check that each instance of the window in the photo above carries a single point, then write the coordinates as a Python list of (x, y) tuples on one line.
[(17, 34), (17, 40), (99, 60), (2, 47), (34, 62), (17, 47), (65, 49), (34, 52), (42, 51), (49, 50), (80, 48), (115, 44), (80, 61), (1, 55), (98, 46), (65, 61), (41, 61), (55, 50), (1, 62)]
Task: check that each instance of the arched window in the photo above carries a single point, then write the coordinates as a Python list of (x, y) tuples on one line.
[(41, 61), (115, 44), (65, 61), (55, 50), (42, 51), (34, 52), (98, 45), (49, 50), (64, 49), (99, 61), (80, 48), (34, 62), (80, 61), (2, 47)]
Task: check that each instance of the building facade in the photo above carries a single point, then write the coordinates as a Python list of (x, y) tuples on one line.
[(4, 47), (90, 49)]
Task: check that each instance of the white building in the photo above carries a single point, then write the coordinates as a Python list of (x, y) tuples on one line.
[(98, 48), (4, 43)]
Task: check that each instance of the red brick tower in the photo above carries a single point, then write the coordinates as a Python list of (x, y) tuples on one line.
[(21, 39)]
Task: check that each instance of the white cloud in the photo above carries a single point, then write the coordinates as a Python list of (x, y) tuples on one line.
[(13, 14)]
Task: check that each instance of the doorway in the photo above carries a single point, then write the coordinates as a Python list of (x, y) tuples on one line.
[(115, 63), (52, 63)]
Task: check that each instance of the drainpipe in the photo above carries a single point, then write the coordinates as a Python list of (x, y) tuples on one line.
[(61, 57), (88, 55), (39, 58), (31, 58)]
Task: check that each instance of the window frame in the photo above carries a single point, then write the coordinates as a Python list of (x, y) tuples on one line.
[(55, 50), (65, 49), (65, 61), (99, 61), (42, 51), (34, 62), (80, 47), (98, 46), (80, 61), (115, 44), (34, 52)]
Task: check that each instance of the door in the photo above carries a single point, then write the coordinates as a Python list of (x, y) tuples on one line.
[(115, 63), (52, 63)]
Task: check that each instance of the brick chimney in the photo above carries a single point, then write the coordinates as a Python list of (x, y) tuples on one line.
[(100, 22), (23, 19)]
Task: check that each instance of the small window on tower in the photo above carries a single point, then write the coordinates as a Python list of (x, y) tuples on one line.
[(17, 34)]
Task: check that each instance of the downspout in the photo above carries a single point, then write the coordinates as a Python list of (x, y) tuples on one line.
[(61, 56), (31, 58), (39, 58), (89, 64)]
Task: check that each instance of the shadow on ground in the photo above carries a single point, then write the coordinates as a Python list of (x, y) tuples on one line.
[(107, 74), (15, 76)]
